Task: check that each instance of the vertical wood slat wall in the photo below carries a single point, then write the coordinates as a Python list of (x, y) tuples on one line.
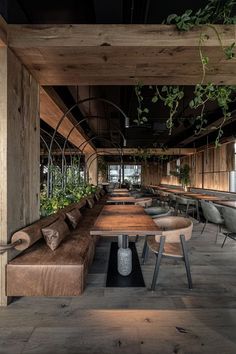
[(209, 169)]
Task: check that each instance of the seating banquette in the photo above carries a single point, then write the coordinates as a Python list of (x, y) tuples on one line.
[(39, 271)]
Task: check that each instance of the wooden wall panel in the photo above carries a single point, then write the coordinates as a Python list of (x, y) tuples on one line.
[(19, 152), (209, 169)]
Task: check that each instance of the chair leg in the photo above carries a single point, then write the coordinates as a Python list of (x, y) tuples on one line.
[(186, 261), (217, 233), (145, 246), (224, 241), (186, 211), (204, 226), (158, 262)]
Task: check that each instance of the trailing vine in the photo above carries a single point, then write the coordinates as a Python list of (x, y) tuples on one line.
[(223, 95), (215, 12), (141, 111), (170, 96)]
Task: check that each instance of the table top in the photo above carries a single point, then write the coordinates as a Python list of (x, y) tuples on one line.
[(116, 190), (228, 203), (120, 194), (175, 191), (201, 196), (122, 199), (128, 220)]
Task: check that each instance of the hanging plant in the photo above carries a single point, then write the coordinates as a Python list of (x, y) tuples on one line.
[(141, 111), (223, 95), (171, 97)]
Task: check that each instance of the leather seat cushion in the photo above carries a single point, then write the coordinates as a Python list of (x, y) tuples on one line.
[(40, 272)]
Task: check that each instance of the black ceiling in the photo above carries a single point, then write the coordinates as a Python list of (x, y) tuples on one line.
[(120, 11), (93, 11)]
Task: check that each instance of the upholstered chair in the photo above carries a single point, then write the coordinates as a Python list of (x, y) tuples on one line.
[(212, 215), (229, 215), (186, 205)]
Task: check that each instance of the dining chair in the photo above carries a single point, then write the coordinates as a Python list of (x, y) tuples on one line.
[(212, 214), (229, 215), (157, 211), (172, 201), (144, 202), (176, 231), (187, 206)]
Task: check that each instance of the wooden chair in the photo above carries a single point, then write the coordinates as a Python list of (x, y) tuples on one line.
[(172, 243)]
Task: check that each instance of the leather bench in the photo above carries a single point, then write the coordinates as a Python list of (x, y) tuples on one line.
[(38, 271)]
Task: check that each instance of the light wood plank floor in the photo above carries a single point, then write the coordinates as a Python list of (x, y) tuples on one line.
[(103, 320)]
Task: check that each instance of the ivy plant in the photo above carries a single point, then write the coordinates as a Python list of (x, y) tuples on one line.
[(171, 97), (142, 112)]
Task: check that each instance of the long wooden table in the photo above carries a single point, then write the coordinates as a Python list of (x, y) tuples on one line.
[(124, 221), (121, 200)]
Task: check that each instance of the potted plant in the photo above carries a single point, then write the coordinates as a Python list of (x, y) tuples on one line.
[(183, 175)]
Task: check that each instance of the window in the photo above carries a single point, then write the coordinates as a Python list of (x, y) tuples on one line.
[(132, 173)]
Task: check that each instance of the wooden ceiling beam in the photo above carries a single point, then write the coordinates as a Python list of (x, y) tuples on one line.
[(152, 152), (51, 112), (3, 32), (121, 54)]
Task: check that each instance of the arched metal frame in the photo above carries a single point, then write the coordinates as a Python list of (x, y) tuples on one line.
[(104, 139), (63, 117), (98, 154)]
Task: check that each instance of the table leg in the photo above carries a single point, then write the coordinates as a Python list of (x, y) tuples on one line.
[(124, 256)]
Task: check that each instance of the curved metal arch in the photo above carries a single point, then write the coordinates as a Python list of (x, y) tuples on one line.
[(105, 139), (81, 102)]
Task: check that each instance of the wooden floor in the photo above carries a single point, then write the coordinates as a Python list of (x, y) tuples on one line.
[(103, 320)]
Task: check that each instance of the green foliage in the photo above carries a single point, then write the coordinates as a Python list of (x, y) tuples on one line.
[(223, 95), (60, 198), (216, 11), (171, 97), (141, 111), (183, 174), (102, 166)]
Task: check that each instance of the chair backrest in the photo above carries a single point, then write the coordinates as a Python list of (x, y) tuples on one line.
[(172, 196), (173, 227), (144, 202), (185, 201), (229, 215), (211, 213)]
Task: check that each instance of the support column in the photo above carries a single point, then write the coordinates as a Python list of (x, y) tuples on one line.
[(91, 169), (19, 153)]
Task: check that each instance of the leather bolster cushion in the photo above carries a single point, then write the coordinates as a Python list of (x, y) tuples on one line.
[(40, 272)]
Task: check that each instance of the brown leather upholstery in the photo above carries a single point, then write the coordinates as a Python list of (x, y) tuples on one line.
[(40, 272), (73, 216), (55, 233), (32, 233)]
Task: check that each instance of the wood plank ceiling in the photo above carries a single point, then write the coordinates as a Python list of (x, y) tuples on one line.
[(120, 54)]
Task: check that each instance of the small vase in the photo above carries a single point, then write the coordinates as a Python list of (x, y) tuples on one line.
[(124, 261)]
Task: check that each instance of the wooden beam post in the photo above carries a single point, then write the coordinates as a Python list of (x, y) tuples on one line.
[(19, 153)]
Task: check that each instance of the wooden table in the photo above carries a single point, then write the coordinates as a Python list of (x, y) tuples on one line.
[(227, 203), (121, 200), (120, 194), (199, 196), (124, 221), (117, 190)]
